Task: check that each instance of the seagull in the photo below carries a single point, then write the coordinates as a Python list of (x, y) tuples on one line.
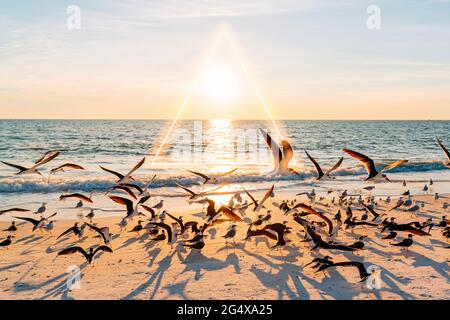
[(231, 233), (281, 157), (369, 165), (125, 178), (88, 255), (447, 153), (41, 209), (320, 173), (211, 212), (90, 215), (37, 224), (212, 178), (310, 211), (49, 156)]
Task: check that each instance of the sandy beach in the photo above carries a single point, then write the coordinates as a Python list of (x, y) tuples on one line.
[(140, 269)]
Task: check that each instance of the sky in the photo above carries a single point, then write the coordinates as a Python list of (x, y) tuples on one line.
[(307, 59)]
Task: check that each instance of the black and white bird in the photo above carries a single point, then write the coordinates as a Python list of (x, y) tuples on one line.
[(320, 173), (7, 242), (363, 273), (369, 165), (405, 243), (37, 224), (49, 156), (127, 177), (12, 228), (89, 256)]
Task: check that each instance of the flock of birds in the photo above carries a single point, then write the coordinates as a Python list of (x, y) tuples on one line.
[(319, 229)]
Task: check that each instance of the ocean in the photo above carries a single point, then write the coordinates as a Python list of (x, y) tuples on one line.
[(214, 146)]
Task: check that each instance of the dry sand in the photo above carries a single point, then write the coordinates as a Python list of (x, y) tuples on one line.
[(139, 269)]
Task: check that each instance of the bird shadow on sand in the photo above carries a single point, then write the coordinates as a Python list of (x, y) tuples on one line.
[(278, 277), (155, 279), (196, 262)]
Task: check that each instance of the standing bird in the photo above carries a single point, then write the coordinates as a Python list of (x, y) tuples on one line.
[(12, 228), (369, 165), (88, 255), (231, 233), (41, 209), (320, 173), (49, 156), (405, 243), (391, 235), (6, 243), (199, 244)]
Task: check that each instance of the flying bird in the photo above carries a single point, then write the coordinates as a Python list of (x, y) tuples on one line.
[(89, 256), (369, 165), (49, 156), (447, 153), (127, 177), (281, 157), (320, 173)]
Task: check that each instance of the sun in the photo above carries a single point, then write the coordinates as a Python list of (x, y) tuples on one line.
[(220, 83)]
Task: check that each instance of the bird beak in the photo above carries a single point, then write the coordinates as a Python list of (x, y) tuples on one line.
[(387, 179)]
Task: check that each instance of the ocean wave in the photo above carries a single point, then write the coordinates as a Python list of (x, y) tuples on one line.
[(88, 184)]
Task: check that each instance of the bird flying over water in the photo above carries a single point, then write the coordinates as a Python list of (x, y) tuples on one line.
[(320, 173), (49, 156), (127, 177)]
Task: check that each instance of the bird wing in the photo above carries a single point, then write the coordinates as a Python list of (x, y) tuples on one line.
[(277, 154), (370, 210), (137, 166), (165, 227), (133, 186), (227, 173), (31, 220), (369, 165), (73, 250), (251, 197), (227, 212), (46, 159), (77, 196), (65, 232), (288, 152), (204, 193), (394, 165), (310, 210), (147, 208), (180, 223), (443, 148), (67, 165), (128, 203), (204, 176), (314, 162), (13, 210), (126, 190), (398, 205), (335, 167), (96, 229), (15, 166), (45, 155), (186, 189), (266, 196), (102, 248), (118, 175)]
